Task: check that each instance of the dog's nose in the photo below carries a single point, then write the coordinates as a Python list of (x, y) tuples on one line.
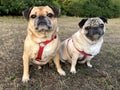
[(98, 30), (42, 20), (41, 17)]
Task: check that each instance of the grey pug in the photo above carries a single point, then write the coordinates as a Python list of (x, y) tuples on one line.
[(85, 43)]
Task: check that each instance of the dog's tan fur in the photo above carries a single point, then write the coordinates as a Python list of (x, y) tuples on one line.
[(33, 37)]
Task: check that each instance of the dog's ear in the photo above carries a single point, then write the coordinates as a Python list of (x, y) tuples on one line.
[(82, 22), (55, 10), (103, 19), (26, 13)]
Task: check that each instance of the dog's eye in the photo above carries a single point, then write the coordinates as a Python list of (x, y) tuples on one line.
[(101, 25), (50, 15), (33, 16), (87, 28)]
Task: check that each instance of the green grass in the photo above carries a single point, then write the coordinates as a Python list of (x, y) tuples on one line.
[(105, 74)]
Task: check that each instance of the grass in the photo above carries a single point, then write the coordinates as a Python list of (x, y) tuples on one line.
[(105, 74)]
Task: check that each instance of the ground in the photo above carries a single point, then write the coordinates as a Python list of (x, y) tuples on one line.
[(105, 74)]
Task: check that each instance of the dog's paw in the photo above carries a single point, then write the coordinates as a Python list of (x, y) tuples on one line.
[(73, 71), (25, 79), (61, 72), (89, 65)]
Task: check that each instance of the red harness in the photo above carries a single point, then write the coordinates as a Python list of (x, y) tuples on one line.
[(41, 48), (81, 52)]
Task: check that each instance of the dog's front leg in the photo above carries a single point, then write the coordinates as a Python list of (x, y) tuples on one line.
[(88, 63), (25, 77), (58, 66), (73, 63)]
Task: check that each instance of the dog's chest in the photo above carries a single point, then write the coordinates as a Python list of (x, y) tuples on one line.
[(48, 51), (93, 49)]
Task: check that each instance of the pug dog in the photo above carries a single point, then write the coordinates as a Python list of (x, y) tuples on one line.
[(85, 43), (42, 42)]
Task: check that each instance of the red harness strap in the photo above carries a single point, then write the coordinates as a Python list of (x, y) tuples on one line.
[(41, 48), (82, 52)]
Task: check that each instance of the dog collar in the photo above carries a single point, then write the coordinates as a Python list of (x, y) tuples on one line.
[(41, 48), (81, 52)]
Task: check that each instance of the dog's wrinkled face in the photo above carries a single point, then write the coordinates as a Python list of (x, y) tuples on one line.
[(93, 28), (42, 18)]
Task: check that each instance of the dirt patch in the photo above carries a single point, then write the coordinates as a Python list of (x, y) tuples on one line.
[(105, 74)]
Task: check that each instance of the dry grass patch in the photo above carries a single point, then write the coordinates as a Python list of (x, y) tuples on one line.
[(105, 75)]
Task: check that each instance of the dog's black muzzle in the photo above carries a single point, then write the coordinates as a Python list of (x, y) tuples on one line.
[(92, 31), (97, 30), (42, 21), (42, 24)]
